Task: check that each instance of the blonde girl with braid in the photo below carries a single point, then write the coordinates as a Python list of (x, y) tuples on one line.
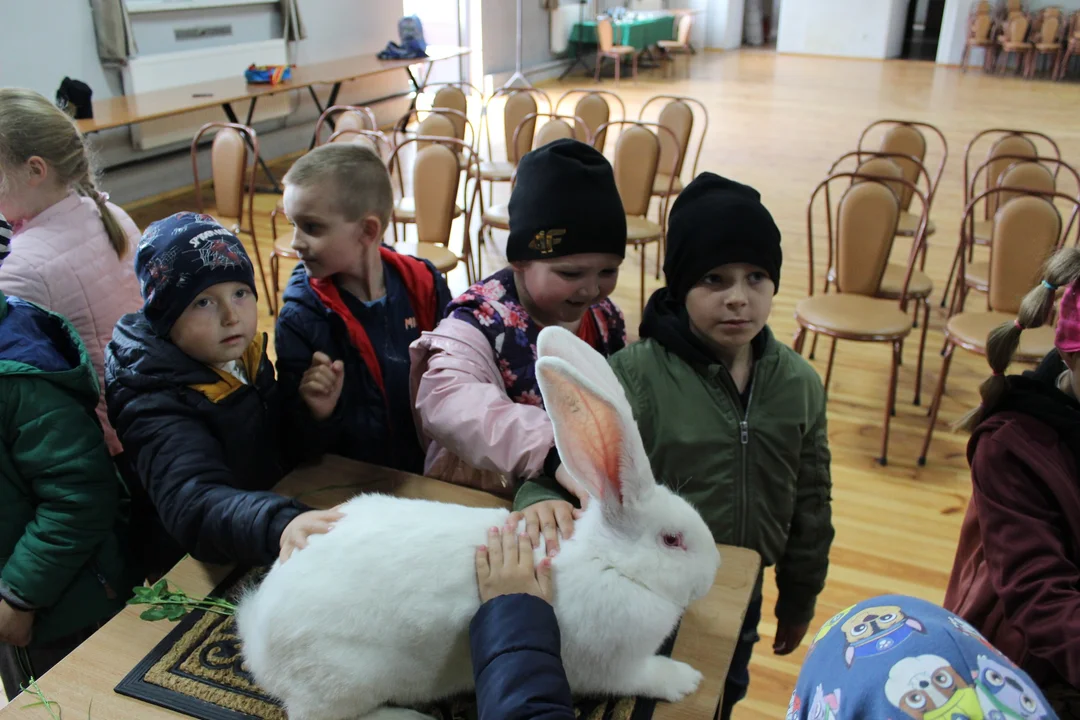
[(1016, 576), (72, 251)]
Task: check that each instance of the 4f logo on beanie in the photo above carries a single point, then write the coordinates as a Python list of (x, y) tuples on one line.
[(546, 240)]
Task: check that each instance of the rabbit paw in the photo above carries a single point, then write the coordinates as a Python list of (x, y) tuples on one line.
[(668, 679)]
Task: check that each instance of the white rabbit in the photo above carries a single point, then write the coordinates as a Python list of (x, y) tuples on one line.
[(376, 612)]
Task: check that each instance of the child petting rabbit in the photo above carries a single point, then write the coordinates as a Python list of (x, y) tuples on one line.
[(473, 383), (193, 396), (730, 414), (640, 555), (514, 636)]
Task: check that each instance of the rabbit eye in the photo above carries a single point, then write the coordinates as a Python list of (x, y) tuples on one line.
[(673, 540), (994, 678), (1028, 703)]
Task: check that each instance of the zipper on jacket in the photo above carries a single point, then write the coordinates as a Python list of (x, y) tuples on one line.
[(744, 440)]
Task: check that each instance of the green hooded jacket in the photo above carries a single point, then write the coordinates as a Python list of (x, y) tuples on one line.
[(63, 507), (759, 476)]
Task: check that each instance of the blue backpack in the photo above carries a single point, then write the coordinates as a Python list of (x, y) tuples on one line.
[(413, 45)]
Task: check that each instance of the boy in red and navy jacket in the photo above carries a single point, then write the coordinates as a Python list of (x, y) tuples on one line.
[(354, 305)]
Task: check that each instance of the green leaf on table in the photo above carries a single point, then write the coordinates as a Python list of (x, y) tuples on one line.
[(160, 586), (154, 613), (175, 612)]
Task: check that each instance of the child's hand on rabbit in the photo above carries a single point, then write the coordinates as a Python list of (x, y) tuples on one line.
[(313, 522), (505, 567), (320, 387), (550, 519)]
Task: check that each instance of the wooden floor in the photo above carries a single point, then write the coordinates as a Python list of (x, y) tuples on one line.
[(777, 123)]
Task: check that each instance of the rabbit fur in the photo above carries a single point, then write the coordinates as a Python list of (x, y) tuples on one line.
[(376, 612)]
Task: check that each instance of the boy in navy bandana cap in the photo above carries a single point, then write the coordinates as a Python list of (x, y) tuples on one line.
[(193, 396)]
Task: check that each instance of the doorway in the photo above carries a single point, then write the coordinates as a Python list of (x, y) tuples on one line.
[(922, 29)]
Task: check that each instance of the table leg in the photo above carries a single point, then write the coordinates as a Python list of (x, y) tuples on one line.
[(579, 57), (229, 113), (330, 102), (418, 86)]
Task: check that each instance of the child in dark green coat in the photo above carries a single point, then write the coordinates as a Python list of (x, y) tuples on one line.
[(63, 509), (731, 418)]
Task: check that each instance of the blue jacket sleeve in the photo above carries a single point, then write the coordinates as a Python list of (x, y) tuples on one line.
[(516, 662)]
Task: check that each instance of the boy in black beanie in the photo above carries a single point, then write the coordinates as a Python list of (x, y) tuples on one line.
[(475, 389), (193, 397), (727, 412)]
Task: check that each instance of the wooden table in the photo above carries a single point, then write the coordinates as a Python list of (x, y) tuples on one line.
[(125, 110), (707, 637)]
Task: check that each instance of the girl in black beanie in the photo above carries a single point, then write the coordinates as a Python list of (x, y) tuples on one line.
[(475, 391)]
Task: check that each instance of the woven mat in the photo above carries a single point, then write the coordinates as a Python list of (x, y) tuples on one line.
[(197, 670)]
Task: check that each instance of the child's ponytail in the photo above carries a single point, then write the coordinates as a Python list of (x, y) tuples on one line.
[(117, 237), (1062, 270), (31, 126)]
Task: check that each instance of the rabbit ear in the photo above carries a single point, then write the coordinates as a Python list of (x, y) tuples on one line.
[(555, 341), (588, 429)]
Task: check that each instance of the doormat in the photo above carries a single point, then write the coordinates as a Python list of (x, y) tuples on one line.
[(197, 670)]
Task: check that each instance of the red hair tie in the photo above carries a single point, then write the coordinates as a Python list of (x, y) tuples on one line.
[(1018, 325)]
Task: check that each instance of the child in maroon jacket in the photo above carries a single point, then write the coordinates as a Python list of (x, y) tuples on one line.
[(1017, 571)]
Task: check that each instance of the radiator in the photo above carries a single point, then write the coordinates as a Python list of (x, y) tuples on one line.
[(161, 71)]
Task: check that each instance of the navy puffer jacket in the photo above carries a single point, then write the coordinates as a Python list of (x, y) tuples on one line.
[(206, 447), (516, 661)]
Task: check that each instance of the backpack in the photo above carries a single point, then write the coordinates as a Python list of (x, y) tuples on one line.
[(413, 45)]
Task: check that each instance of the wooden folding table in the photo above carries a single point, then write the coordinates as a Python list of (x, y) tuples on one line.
[(125, 110), (86, 678)]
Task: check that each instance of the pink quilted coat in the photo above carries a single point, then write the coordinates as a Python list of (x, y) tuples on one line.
[(62, 260), (473, 433)]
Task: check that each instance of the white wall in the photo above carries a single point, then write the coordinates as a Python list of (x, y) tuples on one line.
[(499, 22), (724, 24), (845, 28), (39, 50)]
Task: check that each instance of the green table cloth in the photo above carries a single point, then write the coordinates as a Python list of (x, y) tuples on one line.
[(640, 34)]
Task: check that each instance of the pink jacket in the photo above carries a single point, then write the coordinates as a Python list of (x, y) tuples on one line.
[(62, 260), (474, 434)]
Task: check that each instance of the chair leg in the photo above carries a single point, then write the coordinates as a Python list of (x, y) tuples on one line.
[(922, 351), (599, 60), (935, 405), (828, 370), (634, 67), (952, 272), (800, 338), (964, 58), (262, 268), (884, 459)]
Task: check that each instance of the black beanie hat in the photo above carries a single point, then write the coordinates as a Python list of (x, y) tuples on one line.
[(716, 221), (565, 202), (181, 256)]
